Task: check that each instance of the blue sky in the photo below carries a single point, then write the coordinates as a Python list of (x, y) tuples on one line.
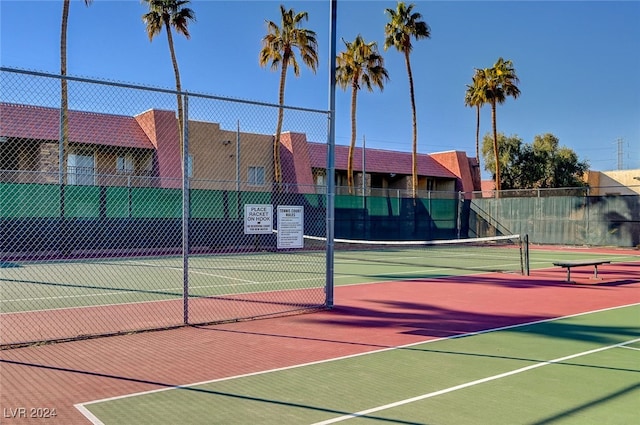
[(578, 64)]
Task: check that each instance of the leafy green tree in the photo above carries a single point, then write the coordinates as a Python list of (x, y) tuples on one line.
[(64, 101), (360, 64), (403, 26), (278, 48), (170, 14), (512, 157), (542, 164), (564, 169), (476, 97), (498, 82)]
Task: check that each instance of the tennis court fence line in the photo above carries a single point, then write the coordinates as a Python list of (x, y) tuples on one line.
[(138, 220)]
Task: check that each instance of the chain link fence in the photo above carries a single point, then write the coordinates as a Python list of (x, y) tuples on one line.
[(106, 227), (101, 234), (390, 215), (563, 216)]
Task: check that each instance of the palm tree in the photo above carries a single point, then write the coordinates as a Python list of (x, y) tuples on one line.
[(497, 83), (404, 25), (475, 96), (359, 64), (278, 48), (64, 101), (168, 14)]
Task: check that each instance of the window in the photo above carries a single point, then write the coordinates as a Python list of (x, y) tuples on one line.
[(320, 181), (431, 184), (341, 178), (124, 165), (80, 169), (148, 165), (256, 176)]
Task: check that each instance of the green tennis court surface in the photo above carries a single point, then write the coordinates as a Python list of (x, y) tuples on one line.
[(63, 284), (582, 369)]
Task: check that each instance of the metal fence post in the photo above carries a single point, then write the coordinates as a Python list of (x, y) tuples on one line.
[(185, 210), (330, 215)]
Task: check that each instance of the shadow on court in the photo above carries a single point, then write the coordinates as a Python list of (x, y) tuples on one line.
[(158, 384), (586, 406)]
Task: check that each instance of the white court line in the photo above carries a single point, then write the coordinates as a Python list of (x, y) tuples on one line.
[(84, 306), (193, 271), (151, 291), (87, 414), (230, 285), (470, 384), (631, 348), (81, 406), (129, 290), (64, 297), (158, 290)]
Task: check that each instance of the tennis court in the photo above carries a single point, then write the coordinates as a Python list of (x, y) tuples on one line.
[(412, 340), (84, 283), (65, 284), (578, 369), (74, 298), (62, 284)]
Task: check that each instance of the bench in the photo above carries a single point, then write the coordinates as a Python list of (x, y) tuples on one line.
[(579, 263)]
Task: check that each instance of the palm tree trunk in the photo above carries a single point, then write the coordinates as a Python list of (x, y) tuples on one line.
[(176, 71), (64, 99), (277, 169), (352, 146), (495, 146), (414, 121), (478, 135), (64, 129)]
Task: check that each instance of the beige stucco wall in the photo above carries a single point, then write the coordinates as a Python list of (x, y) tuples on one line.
[(620, 182), (214, 152)]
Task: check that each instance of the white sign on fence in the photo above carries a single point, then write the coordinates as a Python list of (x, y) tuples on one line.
[(258, 219), (290, 226)]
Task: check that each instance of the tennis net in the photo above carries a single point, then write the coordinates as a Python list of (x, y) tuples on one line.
[(503, 254)]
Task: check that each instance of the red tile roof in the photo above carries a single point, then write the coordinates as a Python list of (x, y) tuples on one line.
[(378, 161), (40, 123)]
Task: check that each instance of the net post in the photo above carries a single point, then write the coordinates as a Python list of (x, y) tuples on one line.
[(521, 249), (523, 246), (526, 253)]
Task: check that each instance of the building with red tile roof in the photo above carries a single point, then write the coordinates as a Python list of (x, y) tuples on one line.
[(39, 123), (144, 150)]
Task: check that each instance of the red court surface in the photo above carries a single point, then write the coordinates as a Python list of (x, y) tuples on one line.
[(366, 317)]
